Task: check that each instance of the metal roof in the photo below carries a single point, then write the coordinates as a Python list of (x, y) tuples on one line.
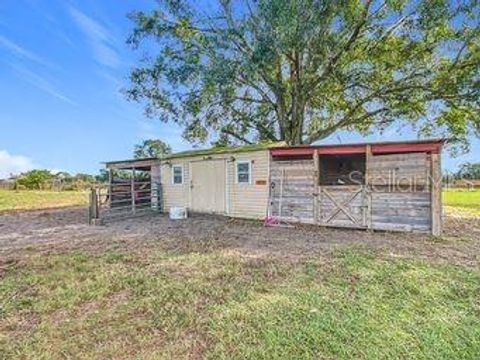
[(281, 149), (379, 147)]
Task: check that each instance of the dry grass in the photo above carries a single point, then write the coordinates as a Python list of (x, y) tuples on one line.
[(32, 199), (220, 289)]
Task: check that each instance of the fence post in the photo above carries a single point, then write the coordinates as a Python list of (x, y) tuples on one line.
[(154, 195), (316, 181), (93, 207), (132, 189), (110, 184)]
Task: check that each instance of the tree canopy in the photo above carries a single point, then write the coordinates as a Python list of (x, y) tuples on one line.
[(151, 148), (299, 70)]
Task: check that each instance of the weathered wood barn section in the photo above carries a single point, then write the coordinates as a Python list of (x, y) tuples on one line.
[(385, 186)]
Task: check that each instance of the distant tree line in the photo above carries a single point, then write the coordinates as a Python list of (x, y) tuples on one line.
[(470, 171), (41, 179), (468, 175)]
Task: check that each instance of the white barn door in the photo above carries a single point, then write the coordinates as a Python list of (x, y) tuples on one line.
[(207, 186)]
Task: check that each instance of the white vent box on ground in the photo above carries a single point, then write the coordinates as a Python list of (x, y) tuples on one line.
[(178, 213)]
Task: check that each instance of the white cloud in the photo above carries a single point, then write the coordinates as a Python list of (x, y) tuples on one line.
[(42, 84), (14, 164), (21, 52), (99, 38)]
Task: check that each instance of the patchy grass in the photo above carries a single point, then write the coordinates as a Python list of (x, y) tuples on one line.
[(356, 303), (463, 200), (33, 199)]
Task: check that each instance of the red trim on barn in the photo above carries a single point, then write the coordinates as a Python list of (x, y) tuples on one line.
[(431, 146)]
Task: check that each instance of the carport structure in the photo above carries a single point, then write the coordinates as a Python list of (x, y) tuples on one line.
[(133, 187)]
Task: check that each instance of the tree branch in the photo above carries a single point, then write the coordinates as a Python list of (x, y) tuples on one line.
[(236, 136), (324, 132)]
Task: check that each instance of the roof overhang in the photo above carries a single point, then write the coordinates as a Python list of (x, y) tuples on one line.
[(140, 164), (431, 146)]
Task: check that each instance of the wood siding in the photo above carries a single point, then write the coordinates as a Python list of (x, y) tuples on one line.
[(292, 194), (397, 195), (400, 192), (408, 211), (401, 170)]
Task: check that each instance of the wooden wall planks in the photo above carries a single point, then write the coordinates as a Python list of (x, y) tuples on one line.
[(386, 203)]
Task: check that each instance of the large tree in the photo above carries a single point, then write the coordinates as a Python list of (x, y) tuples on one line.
[(298, 70), (151, 148)]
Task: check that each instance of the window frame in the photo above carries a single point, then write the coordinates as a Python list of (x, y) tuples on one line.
[(342, 165), (173, 174), (250, 176)]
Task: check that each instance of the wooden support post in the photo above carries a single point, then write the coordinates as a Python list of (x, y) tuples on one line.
[(90, 207), (93, 210), (132, 190), (436, 194), (316, 182), (110, 181), (280, 202), (368, 189)]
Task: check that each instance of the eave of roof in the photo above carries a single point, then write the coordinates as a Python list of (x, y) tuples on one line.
[(222, 150), (426, 145), (130, 161), (281, 149), (200, 152)]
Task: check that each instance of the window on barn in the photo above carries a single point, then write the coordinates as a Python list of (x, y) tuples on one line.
[(342, 169), (244, 172), (177, 174)]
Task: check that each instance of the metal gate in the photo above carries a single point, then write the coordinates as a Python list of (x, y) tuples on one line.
[(344, 206), (118, 201)]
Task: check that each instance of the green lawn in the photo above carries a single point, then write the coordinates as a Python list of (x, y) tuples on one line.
[(28, 200), (356, 304), (148, 301), (463, 200)]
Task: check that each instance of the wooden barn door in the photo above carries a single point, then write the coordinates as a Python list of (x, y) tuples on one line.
[(208, 186), (343, 206)]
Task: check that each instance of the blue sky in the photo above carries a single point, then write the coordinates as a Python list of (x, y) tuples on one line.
[(62, 65)]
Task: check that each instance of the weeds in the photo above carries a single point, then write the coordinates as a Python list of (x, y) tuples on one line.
[(355, 304)]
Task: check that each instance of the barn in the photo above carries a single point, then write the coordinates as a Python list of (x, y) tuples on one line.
[(393, 186), (382, 186)]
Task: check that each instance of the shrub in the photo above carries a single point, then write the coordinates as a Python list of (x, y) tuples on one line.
[(33, 180)]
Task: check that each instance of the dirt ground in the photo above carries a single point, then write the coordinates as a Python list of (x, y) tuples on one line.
[(26, 233)]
